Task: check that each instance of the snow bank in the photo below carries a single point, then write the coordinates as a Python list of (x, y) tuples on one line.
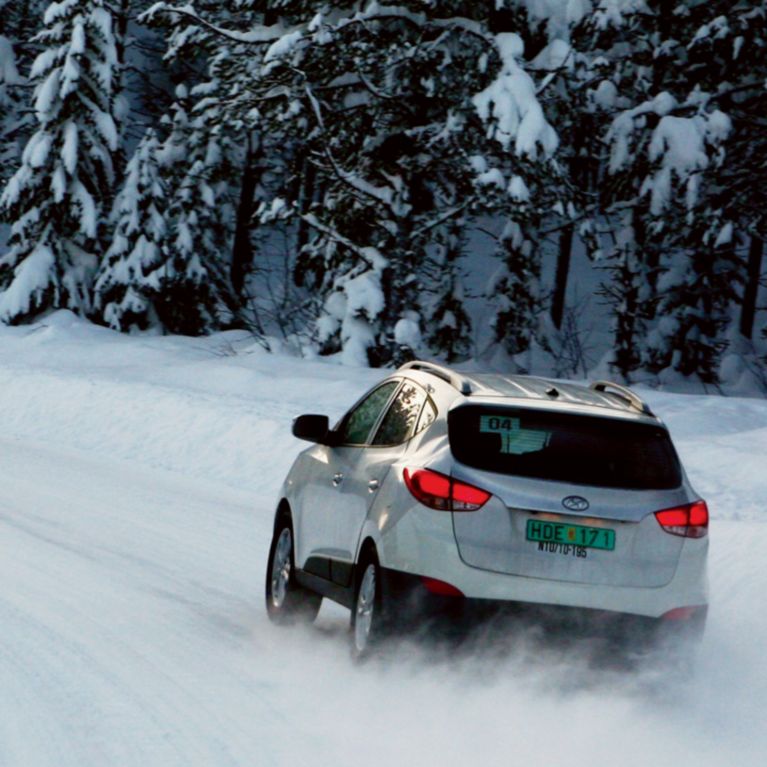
[(206, 407)]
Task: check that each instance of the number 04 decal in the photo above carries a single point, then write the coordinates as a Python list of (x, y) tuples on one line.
[(514, 439)]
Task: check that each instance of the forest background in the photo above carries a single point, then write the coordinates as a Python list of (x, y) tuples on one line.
[(562, 187)]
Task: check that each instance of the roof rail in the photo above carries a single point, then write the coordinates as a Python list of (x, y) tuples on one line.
[(624, 393), (456, 380)]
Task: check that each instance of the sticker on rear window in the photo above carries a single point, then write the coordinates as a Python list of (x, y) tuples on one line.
[(514, 439)]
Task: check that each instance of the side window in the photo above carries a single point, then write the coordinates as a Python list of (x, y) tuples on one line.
[(399, 423), (427, 418), (357, 424)]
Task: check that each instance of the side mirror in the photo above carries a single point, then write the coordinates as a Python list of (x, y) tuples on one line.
[(313, 428)]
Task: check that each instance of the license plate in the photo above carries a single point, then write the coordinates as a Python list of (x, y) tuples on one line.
[(573, 535)]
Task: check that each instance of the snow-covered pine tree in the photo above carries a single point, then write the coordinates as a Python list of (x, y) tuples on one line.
[(615, 52), (251, 162), (188, 276), (9, 111), (368, 136), (567, 95), (208, 161), (381, 100), (519, 185), (666, 185), (728, 58), (693, 144), (129, 279), (19, 20), (447, 321), (56, 200), (359, 95)]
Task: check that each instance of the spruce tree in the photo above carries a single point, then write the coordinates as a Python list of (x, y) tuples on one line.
[(372, 116), (447, 321), (660, 70), (129, 279), (520, 185), (209, 144), (10, 113), (56, 200), (193, 257), (19, 20)]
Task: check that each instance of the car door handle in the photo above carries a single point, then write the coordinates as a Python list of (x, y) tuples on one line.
[(337, 479), (373, 485)]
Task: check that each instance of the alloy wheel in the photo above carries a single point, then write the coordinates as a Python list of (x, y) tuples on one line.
[(281, 566), (365, 609)]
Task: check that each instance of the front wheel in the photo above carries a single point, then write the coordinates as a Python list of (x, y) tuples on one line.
[(286, 600)]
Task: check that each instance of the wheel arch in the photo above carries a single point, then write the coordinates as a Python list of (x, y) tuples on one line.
[(283, 510), (367, 546)]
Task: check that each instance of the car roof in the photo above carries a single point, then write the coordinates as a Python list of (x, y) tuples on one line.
[(535, 390)]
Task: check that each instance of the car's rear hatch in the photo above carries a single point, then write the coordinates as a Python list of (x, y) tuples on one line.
[(573, 495)]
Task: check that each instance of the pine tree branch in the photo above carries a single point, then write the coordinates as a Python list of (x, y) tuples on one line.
[(753, 85), (312, 220), (440, 220), (262, 34), (379, 94), (258, 35), (365, 188)]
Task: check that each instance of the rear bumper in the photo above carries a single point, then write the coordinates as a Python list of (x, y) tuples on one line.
[(413, 599), (422, 543)]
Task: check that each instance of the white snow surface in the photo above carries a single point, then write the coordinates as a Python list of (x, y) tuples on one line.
[(137, 485)]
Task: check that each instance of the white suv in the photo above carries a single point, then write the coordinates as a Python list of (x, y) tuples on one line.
[(439, 486)]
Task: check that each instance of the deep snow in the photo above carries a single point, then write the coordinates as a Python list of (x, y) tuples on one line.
[(137, 485)]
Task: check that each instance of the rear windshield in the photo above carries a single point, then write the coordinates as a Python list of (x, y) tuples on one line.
[(585, 450)]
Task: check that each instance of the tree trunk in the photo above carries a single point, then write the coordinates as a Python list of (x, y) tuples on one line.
[(753, 276), (305, 200), (242, 250), (560, 281), (121, 16)]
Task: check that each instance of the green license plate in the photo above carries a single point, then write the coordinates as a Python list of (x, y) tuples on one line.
[(573, 535)]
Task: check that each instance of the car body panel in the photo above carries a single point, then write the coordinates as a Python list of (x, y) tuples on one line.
[(494, 537), (333, 499)]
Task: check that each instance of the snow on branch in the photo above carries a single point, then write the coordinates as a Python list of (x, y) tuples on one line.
[(376, 12), (258, 34), (284, 39), (371, 257), (680, 146), (381, 194), (510, 107)]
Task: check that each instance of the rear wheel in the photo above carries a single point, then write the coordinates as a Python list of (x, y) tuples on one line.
[(369, 613), (286, 600)]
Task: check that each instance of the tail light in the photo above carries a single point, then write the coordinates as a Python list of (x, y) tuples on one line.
[(689, 521), (444, 493)]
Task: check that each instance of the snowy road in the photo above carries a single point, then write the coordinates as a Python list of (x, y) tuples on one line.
[(133, 632)]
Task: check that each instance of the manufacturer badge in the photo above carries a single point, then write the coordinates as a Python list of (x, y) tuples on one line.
[(575, 503)]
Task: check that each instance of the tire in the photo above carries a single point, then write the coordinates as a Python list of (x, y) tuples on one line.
[(369, 620), (287, 602)]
